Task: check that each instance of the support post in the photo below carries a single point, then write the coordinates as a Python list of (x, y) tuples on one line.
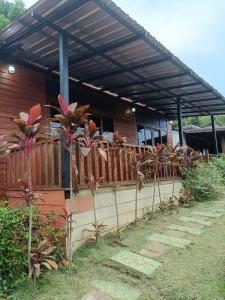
[(214, 137), (180, 122), (64, 91)]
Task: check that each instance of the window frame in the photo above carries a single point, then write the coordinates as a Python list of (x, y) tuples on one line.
[(152, 129)]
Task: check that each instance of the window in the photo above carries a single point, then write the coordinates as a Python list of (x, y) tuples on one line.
[(148, 136), (141, 135), (157, 139), (151, 137), (162, 123), (164, 136), (106, 125)]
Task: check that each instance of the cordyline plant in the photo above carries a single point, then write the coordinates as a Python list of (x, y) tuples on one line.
[(41, 256), (117, 144), (140, 163), (175, 161), (88, 141), (25, 138), (70, 118), (156, 156)]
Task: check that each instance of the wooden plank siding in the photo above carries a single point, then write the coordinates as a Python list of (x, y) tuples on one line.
[(18, 92), (125, 122), (45, 165)]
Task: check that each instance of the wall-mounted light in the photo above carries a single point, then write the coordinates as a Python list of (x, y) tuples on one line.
[(12, 69), (171, 121), (133, 109)]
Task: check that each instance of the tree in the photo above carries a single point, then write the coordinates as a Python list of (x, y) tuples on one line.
[(10, 11), (202, 121)]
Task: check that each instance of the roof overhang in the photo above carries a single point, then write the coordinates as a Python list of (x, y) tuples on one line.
[(110, 51)]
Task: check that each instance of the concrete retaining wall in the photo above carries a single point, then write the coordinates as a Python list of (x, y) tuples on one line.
[(105, 207)]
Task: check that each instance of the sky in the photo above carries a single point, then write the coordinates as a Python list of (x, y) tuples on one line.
[(193, 30)]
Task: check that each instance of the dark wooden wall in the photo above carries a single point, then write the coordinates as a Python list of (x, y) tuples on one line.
[(125, 122), (18, 92)]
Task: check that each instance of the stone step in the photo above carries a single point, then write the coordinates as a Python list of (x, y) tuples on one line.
[(157, 247), (209, 214), (169, 240), (194, 220), (176, 234), (186, 229), (96, 295), (116, 290), (151, 254), (136, 263)]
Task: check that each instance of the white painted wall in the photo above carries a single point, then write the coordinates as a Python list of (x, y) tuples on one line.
[(105, 207)]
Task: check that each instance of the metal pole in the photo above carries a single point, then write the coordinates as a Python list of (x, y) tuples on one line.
[(180, 122), (63, 68), (64, 91), (215, 145)]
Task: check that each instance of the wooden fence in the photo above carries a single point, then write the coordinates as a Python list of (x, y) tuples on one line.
[(45, 164), (46, 167), (119, 167)]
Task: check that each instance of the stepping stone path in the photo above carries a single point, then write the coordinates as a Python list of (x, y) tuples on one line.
[(186, 229), (157, 247), (209, 214), (114, 290), (149, 253), (160, 244), (194, 220), (96, 295), (136, 263), (176, 234), (169, 240)]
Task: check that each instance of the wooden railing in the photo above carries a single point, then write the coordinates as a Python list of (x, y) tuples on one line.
[(45, 164), (46, 167), (117, 169)]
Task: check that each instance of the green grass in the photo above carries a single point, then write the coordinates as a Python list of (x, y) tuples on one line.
[(197, 272)]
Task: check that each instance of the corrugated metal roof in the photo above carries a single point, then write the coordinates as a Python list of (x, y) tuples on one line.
[(111, 51)]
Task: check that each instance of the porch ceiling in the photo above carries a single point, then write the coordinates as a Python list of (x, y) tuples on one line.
[(111, 51)]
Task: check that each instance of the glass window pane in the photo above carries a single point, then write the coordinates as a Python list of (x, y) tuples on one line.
[(156, 137), (108, 127), (141, 135), (108, 124), (164, 136), (148, 136), (162, 123)]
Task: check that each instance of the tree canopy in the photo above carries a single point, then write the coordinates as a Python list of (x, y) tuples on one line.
[(202, 121), (9, 11)]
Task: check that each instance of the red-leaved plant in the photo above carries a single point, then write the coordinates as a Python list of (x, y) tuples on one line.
[(70, 118), (117, 145), (25, 138), (88, 141)]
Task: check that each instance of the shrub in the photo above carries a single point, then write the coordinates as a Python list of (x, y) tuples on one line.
[(13, 241), (219, 163), (203, 181), (14, 233)]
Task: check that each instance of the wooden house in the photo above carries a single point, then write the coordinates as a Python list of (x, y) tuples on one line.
[(90, 51)]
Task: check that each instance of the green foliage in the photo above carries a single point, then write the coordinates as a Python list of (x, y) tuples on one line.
[(13, 244), (202, 121), (10, 11), (13, 241), (219, 162), (203, 181)]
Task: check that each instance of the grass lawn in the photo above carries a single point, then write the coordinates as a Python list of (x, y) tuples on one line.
[(197, 272)]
